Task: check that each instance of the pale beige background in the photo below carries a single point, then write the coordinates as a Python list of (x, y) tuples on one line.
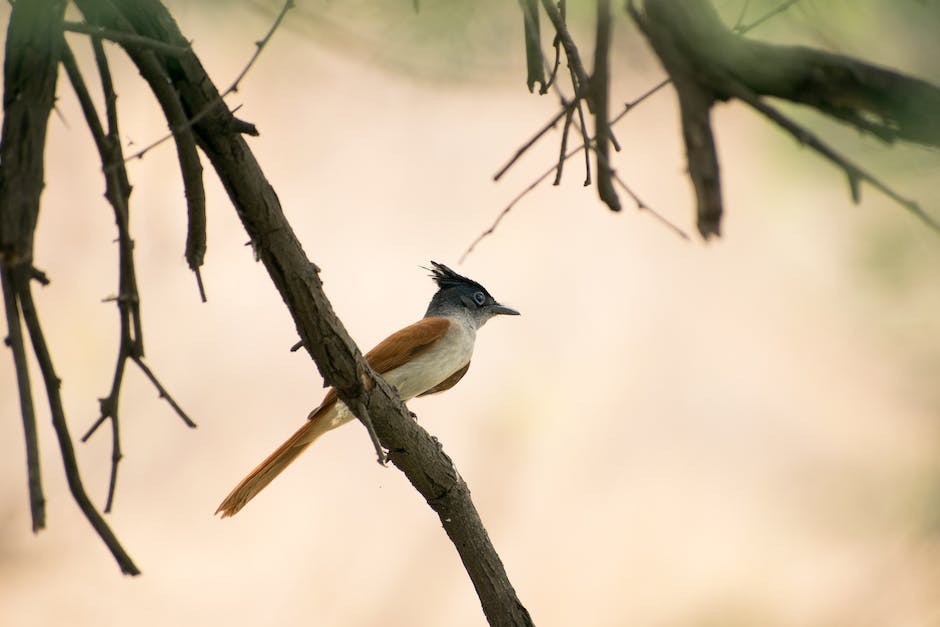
[(673, 433)]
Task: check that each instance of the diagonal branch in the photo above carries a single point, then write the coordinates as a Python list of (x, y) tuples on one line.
[(411, 449)]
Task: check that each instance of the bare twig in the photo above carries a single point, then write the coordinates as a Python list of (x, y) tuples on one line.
[(163, 392), (198, 117), (563, 148), (117, 191), (125, 38), (565, 110), (780, 8), (586, 141), (853, 172), (556, 44), (642, 206), (259, 46), (581, 79)]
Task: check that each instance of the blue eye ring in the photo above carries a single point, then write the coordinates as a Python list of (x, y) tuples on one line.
[(479, 298)]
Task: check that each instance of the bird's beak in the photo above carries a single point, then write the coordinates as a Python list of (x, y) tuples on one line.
[(504, 310)]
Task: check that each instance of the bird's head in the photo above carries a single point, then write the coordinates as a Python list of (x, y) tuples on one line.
[(458, 295)]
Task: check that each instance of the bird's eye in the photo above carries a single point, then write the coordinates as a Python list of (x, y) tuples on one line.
[(479, 298)]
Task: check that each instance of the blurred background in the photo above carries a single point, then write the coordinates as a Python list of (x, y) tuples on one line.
[(744, 432)]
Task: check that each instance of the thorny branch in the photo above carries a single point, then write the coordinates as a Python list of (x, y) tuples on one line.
[(117, 192), (33, 51)]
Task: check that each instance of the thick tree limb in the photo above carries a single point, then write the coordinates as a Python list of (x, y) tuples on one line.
[(30, 67), (708, 62), (410, 447)]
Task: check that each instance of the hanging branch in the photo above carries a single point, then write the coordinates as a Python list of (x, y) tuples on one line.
[(190, 166), (34, 48), (117, 192), (14, 339), (20, 279), (600, 95)]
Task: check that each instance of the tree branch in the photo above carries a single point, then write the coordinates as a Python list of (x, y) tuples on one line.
[(52, 381), (600, 94), (410, 447), (37, 501), (153, 72), (708, 62), (117, 191), (129, 39)]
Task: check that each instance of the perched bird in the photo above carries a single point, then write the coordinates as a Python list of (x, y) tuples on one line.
[(427, 357)]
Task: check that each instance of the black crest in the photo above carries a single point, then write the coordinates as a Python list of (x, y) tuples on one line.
[(445, 277)]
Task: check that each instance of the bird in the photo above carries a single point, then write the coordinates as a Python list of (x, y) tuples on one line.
[(427, 357)]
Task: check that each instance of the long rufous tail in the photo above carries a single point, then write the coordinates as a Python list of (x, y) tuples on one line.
[(271, 467)]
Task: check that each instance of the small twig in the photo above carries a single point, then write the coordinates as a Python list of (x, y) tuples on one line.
[(288, 5), (642, 206), (195, 119), (582, 81), (783, 6), (125, 38), (37, 501), (556, 44), (586, 143), (740, 21), (563, 147), (199, 284), (117, 192), (163, 392), (363, 414), (565, 110), (854, 173)]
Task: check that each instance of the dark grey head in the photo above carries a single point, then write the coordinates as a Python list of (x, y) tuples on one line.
[(458, 295)]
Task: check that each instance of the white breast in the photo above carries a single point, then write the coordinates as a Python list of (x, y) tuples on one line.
[(451, 353)]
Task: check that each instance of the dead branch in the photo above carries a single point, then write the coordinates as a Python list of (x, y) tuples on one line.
[(117, 192)]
